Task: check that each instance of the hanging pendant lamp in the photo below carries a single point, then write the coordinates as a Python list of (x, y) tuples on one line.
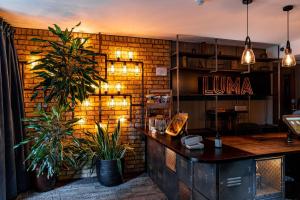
[(248, 56), (288, 59)]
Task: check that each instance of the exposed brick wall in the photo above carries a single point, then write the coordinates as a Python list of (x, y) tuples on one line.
[(152, 52)]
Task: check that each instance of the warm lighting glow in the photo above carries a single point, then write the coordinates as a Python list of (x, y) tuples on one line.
[(118, 54), (112, 102), (112, 68), (81, 121), (136, 70), (124, 102), (86, 103), (130, 55), (118, 87), (96, 88), (105, 87), (288, 60), (125, 68), (122, 119), (248, 57)]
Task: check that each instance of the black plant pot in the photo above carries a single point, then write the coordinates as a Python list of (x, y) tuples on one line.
[(108, 172), (43, 184)]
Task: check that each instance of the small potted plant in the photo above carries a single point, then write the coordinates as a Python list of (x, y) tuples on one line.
[(51, 145), (105, 151)]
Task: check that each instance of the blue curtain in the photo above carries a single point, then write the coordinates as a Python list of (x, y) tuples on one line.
[(13, 178)]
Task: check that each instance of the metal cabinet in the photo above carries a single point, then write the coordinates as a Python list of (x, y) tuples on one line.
[(232, 180)]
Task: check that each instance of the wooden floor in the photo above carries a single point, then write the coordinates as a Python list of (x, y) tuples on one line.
[(140, 188)]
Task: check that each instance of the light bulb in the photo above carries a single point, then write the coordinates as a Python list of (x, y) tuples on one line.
[(81, 121), (124, 103), (248, 57), (105, 87), (124, 68), (118, 54), (112, 68), (136, 70), (130, 55), (86, 103), (95, 87), (112, 102), (288, 60), (118, 87), (122, 119)]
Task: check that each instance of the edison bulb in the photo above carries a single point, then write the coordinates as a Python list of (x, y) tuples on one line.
[(112, 68), (86, 103), (124, 68), (105, 87), (112, 102), (124, 103), (118, 54), (288, 60), (118, 87), (130, 55), (136, 70), (248, 57), (122, 119)]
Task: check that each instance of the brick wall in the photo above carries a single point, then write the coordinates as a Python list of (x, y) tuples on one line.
[(152, 52)]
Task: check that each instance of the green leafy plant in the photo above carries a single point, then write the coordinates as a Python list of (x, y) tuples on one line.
[(103, 145), (51, 142), (66, 69)]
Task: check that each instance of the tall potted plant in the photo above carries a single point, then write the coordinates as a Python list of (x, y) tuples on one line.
[(67, 68), (105, 151), (52, 145)]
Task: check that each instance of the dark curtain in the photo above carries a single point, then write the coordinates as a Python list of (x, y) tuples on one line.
[(13, 178)]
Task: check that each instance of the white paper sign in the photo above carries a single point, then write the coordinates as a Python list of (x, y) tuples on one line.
[(161, 71)]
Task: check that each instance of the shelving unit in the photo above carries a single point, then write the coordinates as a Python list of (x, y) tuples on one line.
[(165, 108), (193, 57)]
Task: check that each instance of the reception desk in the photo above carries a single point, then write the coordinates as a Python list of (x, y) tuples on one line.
[(246, 167)]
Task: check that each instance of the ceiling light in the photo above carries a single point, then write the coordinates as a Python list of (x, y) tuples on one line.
[(288, 59), (248, 56)]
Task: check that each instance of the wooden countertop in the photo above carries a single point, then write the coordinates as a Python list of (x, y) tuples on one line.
[(234, 147)]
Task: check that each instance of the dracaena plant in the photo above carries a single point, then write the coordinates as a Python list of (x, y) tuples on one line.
[(103, 145), (67, 68), (51, 142)]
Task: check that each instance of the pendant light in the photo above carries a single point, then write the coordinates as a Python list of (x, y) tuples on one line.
[(288, 59), (248, 56)]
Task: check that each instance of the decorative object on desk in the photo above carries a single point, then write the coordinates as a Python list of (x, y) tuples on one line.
[(293, 123), (66, 68), (177, 124), (52, 145), (192, 142), (105, 151), (160, 124)]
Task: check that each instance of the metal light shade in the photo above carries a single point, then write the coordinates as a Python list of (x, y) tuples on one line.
[(248, 56), (288, 59)]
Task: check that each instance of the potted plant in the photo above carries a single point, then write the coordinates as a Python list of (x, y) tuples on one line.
[(51, 145), (105, 151), (67, 68)]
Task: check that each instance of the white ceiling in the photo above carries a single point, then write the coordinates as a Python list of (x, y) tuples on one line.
[(160, 18)]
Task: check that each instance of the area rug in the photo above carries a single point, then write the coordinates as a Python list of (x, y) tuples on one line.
[(140, 188)]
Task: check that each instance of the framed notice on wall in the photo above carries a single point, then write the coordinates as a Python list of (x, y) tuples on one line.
[(161, 71)]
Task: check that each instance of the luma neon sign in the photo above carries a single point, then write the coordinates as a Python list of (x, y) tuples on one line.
[(225, 85)]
